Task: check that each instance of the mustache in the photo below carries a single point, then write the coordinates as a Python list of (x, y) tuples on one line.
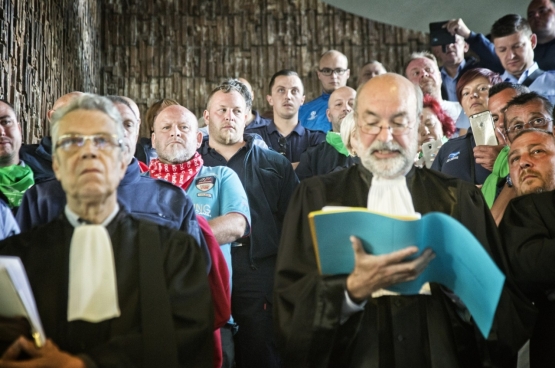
[(386, 146), (5, 140), (528, 172)]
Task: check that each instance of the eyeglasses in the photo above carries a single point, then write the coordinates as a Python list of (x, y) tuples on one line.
[(282, 141), (397, 129), (534, 123), (71, 142), (328, 71)]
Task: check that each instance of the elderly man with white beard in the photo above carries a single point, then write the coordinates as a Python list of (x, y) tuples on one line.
[(329, 321)]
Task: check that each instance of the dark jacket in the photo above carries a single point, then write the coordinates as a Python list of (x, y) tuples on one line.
[(269, 181)]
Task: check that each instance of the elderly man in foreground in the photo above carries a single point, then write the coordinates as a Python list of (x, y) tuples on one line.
[(338, 321), (111, 290)]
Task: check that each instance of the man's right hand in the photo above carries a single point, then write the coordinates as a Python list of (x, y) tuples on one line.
[(457, 27), (373, 273)]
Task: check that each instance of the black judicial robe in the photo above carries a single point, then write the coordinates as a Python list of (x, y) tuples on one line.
[(183, 307), (528, 231), (392, 331), (322, 159)]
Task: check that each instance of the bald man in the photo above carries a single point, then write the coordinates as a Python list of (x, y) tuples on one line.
[(333, 73), (39, 156), (216, 192), (329, 321), (330, 155)]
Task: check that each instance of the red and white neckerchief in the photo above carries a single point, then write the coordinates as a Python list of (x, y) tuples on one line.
[(181, 175)]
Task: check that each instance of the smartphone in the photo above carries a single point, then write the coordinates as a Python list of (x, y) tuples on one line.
[(483, 129), (440, 36), (429, 151)]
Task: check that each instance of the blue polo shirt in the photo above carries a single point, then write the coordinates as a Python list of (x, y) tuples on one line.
[(313, 114), (295, 143), (8, 226), (217, 191)]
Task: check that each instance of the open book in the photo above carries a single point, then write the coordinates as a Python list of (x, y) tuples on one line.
[(461, 263), (17, 298)]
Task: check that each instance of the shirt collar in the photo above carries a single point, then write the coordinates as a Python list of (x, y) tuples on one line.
[(444, 73), (272, 128), (508, 77), (73, 218)]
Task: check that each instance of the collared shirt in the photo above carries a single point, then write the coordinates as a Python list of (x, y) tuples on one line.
[(313, 114), (450, 84), (294, 144), (258, 121), (544, 84)]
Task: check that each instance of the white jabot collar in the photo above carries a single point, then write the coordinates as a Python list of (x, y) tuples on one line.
[(93, 294)]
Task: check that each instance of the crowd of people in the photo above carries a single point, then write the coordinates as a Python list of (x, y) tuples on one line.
[(192, 247)]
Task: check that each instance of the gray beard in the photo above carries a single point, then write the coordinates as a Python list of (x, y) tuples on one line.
[(390, 167)]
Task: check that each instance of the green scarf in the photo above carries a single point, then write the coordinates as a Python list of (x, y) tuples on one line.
[(14, 181), (334, 139), (500, 171)]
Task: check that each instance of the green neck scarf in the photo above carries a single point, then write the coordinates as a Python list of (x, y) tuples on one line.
[(500, 171), (14, 181), (334, 139)]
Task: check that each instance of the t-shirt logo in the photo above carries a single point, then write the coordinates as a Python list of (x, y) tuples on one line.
[(453, 156), (206, 183), (312, 115)]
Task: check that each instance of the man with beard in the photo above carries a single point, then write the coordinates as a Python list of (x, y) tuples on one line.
[(339, 321), (269, 181), (16, 176), (332, 154), (216, 192), (284, 133), (527, 230), (333, 73)]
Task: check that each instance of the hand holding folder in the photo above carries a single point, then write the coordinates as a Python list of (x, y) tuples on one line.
[(17, 301)]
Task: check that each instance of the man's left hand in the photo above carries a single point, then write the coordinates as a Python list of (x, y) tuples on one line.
[(486, 155), (47, 356)]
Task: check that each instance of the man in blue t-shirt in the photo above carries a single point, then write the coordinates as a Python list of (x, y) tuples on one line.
[(333, 72)]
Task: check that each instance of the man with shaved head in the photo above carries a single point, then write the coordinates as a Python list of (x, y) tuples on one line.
[(39, 156), (16, 176), (216, 192), (330, 155), (333, 72), (349, 320)]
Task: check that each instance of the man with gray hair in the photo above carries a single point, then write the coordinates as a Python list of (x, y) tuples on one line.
[(423, 71), (349, 320), (141, 298), (269, 180)]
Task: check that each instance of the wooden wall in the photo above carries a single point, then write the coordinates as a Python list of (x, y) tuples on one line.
[(182, 49), (47, 48)]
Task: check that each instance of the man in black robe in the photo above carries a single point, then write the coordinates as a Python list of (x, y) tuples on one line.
[(162, 315), (333, 320)]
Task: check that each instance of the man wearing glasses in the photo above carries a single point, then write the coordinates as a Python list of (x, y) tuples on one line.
[(333, 72), (111, 290), (346, 320)]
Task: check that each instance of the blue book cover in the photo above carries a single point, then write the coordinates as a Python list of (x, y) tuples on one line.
[(461, 263)]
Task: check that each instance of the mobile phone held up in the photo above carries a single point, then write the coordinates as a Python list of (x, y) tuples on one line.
[(483, 129), (439, 36)]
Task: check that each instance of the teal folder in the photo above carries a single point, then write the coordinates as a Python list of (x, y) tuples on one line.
[(461, 263)]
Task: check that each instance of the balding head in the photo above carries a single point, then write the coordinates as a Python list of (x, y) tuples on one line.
[(340, 104), (246, 83), (176, 136), (134, 107), (62, 101), (387, 110), (333, 70)]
